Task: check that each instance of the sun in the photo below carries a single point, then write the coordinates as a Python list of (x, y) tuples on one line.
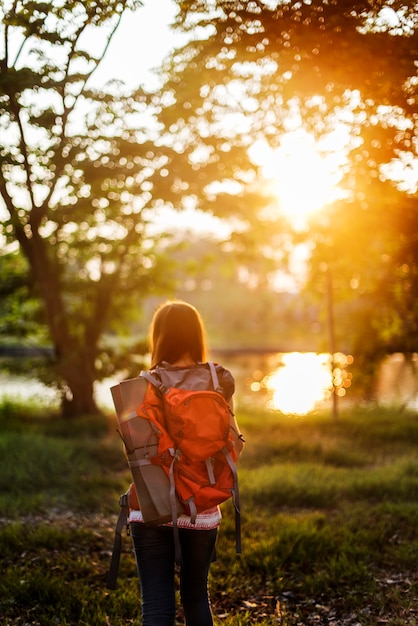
[(302, 173)]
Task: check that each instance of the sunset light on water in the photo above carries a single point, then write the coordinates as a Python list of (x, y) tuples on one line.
[(304, 380)]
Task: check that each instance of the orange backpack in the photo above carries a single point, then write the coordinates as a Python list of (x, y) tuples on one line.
[(195, 446)]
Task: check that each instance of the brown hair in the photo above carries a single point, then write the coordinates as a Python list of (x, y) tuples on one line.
[(176, 330)]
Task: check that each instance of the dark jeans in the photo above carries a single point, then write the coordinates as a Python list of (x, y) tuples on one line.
[(154, 552)]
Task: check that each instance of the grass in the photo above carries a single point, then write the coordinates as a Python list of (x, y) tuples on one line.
[(330, 514)]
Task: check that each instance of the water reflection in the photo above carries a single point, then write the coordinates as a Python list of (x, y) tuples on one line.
[(299, 383), (302, 381), (293, 383)]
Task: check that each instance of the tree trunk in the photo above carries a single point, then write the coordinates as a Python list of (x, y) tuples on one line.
[(74, 360), (78, 391)]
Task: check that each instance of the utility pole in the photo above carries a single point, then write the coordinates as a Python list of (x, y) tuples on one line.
[(331, 333)]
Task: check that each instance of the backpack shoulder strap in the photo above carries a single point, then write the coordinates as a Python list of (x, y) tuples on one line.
[(154, 381), (215, 379), (162, 389), (151, 378), (117, 545)]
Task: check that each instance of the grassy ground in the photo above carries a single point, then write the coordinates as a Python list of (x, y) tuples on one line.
[(330, 534)]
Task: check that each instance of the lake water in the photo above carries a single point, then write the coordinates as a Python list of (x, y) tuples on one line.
[(299, 382), (291, 383)]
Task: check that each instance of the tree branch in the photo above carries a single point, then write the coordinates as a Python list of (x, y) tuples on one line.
[(109, 39), (6, 197), (25, 39), (17, 225), (16, 110), (6, 35), (67, 110)]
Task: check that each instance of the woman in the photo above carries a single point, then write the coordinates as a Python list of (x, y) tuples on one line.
[(177, 341)]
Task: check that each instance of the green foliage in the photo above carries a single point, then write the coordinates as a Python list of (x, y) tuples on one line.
[(19, 309), (66, 181), (82, 173)]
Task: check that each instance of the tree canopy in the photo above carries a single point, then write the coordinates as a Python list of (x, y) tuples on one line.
[(257, 69), (83, 171)]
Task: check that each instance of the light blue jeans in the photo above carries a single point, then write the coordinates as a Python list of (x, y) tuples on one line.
[(154, 553)]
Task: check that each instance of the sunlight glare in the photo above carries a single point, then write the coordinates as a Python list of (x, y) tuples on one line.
[(302, 176), (302, 380)]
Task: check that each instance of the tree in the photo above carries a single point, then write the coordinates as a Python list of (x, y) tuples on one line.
[(369, 240), (255, 69), (73, 181)]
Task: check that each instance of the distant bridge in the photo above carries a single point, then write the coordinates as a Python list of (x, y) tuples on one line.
[(25, 351)]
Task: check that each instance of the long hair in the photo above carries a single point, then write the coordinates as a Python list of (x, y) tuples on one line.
[(176, 330)]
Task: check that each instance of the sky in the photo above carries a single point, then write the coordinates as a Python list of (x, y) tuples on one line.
[(140, 44)]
